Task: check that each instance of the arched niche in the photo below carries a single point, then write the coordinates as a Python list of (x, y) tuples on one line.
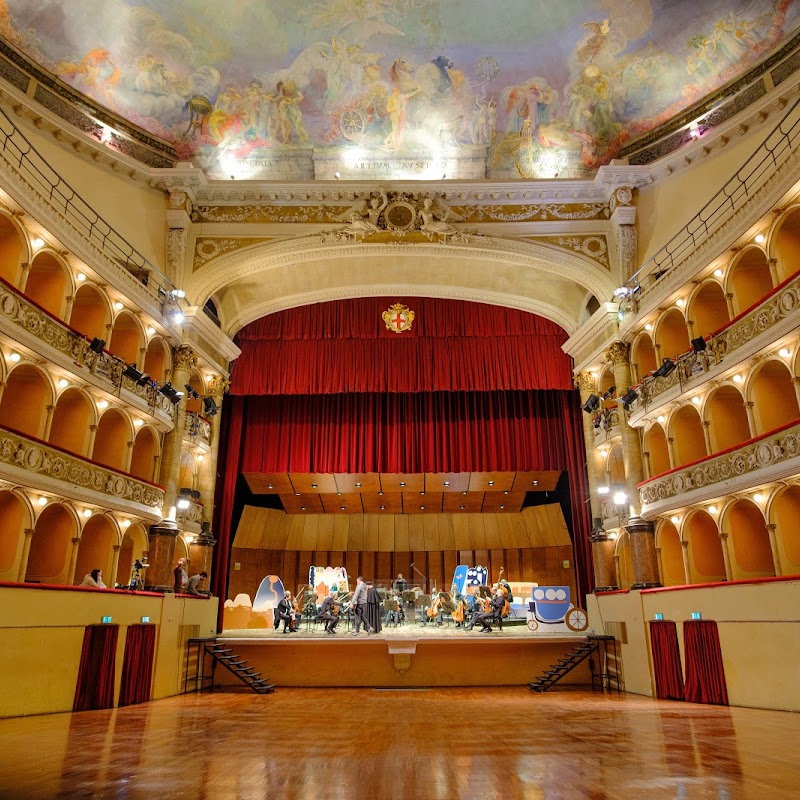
[(26, 396), (727, 417), (655, 443), (91, 313), (668, 541), (96, 548), (72, 418), (145, 452), (622, 551), (194, 405), (134, 545), (709, 309), (643, 357), (48, 559), (187, 471), (749, 279), (615, 466), (774, 399), (12, 251), (15, 518), (784, 514), (686, 432), (48, 283), (127, 338), (111, 440), (750, 551), (672, 335), (786, 243), (157, 360), (706, 562), (181, 549)]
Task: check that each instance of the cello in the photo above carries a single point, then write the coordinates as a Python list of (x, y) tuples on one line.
[(506, 592)]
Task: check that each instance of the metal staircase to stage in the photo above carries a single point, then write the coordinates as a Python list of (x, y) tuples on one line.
[(221, 654), (602, 677)]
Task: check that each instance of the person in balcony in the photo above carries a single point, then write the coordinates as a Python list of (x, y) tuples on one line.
[(181, 576), (194, 584), (94, 579)]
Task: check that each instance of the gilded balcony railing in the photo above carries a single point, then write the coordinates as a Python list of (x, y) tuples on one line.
[(191, 517), (27, 459), (606, 425), (197, 428)]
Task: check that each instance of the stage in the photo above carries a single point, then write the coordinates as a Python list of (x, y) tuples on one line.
[(409, 655)]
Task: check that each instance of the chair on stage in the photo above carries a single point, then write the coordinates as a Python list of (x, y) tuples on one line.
[(392, 613)]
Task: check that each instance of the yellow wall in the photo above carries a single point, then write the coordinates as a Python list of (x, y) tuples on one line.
[(42, 633), (758, 630)]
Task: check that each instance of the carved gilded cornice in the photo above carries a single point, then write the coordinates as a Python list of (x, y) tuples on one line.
[(592, 246), (618, 353), (185, 357), (585, 382), (218, 386), (207, 248)]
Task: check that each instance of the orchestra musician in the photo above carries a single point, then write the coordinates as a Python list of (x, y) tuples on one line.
[(396, 617), (494, 611), (461, 608), (328, 612), (436, 612), (400, 583), (286, 613)]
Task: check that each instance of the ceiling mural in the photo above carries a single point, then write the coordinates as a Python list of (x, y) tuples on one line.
[(542, 86)]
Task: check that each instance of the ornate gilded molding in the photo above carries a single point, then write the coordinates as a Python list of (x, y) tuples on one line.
[(584, 382), (209, 247), (218, 386), (593, 246), (197, 428), (545, 212), (257, 213), (185, 357), (618, 353), (190, 519), (40, 459)]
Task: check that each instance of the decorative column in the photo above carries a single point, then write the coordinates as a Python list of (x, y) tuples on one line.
[(73, 560), (773, 545), (602, 545), (112, 578), (726, 556), (623, 218), (207, 475), (26, 550), (707, 435), (178, 222), (48, 422), (201, 551), (161, 557), (685, 555), (751, 417)]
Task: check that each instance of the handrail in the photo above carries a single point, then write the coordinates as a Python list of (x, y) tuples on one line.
[(18, 151), (730, 198)]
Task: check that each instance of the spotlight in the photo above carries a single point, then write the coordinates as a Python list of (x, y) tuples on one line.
[(666, 367), (191, 392), (97, 345), (131, 372), (143, 379), (608, 392), (170, 393), (628, 398), (209, 407), (592, 402), (596, 422), (183, 503), (698, 344)]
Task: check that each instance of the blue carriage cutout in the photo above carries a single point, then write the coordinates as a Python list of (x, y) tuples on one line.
[(551, 605)]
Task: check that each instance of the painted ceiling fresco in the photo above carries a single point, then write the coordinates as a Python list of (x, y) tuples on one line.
[(564, 79)]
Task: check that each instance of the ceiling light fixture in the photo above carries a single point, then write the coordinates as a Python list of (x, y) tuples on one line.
[(760, 238)]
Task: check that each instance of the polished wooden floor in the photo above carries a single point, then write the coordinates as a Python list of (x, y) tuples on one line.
[(429, 744)]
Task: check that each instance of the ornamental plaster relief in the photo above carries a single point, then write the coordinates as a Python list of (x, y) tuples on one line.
[(207, 248), (594, 247)]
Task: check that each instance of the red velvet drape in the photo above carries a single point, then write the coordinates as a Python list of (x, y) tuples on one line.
[(705, 672), (95, 687), (666, 659), (137, 664)]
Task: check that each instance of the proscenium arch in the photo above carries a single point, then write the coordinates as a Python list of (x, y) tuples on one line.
[(514, 274)]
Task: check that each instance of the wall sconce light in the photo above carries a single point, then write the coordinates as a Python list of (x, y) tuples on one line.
[(760, 238)]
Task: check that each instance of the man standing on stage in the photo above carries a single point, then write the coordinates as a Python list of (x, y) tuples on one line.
[(359, 606)]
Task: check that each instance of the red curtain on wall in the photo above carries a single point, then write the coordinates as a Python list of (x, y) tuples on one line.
[(705, 672), (137, 664), (666, 660), (95, 687)]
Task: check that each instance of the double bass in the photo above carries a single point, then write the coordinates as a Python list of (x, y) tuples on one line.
[(435, 608), (505, 590), (460, 611)]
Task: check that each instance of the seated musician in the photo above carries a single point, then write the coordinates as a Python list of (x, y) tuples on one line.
[(327, 612), (485, 618), (435, 612), (395, 617), (285, 612), (400, 583)]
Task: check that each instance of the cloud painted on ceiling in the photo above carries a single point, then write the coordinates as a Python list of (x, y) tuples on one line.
[(535, 83)]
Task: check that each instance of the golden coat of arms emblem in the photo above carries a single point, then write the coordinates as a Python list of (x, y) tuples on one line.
[(398, 318)]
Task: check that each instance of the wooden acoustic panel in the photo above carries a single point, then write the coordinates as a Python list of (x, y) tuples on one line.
[(268, 482), (491, 481), (422, 502), (462, 502), (364, 482), (446, 481), (302, 504), (306, 483), (342, 503), (402, 482), (383, 503)]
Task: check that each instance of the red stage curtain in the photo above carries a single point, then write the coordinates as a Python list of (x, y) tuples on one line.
[(343, 347), (666, 660), (95, 687), (137, 664), (705, 673)]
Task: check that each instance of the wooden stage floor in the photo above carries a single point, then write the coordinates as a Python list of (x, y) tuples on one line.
[(505, 743)]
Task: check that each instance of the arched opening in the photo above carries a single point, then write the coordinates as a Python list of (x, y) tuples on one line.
[(643, 357), (47, 284), (784, 513), (672, 336), (625, 566), (181, 549), (127, 338), (774, 397), (48, 560), (156, 359), (95, 550), (750, 280), (134, 544), (14, 519), (706, 562), (25, 400), (655, 444), (668, 542), (194, 405), (71, 420), (709, 309), (111, 440), (750, 551), (90, 312), (787, 246), (187, 472), (727, 417), (686, 432), (11, 251), (145, 452)]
